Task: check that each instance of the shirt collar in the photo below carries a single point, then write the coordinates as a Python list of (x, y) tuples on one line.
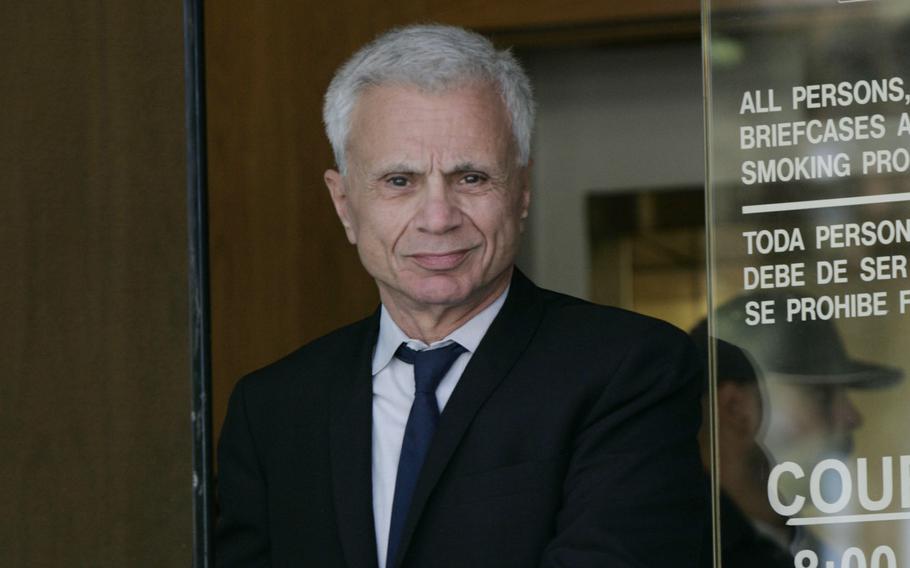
[(468, 335)]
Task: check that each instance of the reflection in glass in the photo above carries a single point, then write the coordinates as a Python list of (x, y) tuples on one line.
[(786, 399), (809, 234), (749, 538)]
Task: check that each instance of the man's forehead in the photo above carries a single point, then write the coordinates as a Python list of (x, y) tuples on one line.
[(386, 103), (458, 131)]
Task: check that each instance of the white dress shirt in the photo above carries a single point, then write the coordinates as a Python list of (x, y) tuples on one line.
[(393, 394)]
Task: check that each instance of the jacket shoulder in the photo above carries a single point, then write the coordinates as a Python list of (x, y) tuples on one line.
[(579, 318), (317, 358)]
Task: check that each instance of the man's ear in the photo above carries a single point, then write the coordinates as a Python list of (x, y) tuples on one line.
[(339, 192), (524, 186), (739, 408)]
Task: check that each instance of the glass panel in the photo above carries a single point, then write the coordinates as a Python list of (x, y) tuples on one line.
[(808, 154)]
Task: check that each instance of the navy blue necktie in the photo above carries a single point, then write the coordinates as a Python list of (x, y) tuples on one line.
[(430, 365)]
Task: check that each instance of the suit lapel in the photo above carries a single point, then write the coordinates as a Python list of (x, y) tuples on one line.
[(351, 450), (503, 344)]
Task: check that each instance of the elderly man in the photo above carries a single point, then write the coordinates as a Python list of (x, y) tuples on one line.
[(474, 419)]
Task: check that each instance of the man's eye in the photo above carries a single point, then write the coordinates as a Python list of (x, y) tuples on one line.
[(473, 179), (397, 181)]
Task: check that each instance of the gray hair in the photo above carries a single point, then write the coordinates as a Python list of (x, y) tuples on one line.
[(433, 58)]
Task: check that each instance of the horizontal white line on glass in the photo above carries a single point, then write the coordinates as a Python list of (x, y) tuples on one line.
[(823, 203), (864, 518)]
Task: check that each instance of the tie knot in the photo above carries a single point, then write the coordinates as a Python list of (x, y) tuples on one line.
[(430, 365)]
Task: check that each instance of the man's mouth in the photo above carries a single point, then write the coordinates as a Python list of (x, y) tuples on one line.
[(440, 261)]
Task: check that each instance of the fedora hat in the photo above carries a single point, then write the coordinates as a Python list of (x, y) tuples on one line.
[(805, 352)]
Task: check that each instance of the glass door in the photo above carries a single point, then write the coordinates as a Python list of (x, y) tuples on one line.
[(808, 137)]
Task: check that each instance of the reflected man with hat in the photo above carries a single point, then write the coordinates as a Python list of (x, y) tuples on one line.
[(795, 406)]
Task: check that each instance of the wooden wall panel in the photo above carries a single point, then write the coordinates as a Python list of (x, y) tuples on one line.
[(529, 14), (94, 365), (282, 272)]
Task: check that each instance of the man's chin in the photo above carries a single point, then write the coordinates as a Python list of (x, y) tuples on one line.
[(444, 289), (440, 291)]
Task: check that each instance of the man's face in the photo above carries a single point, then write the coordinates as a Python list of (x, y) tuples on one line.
[(433, 197), (809, 423)]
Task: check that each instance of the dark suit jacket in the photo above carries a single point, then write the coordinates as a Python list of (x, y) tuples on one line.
[(742, 546), (570, 440)]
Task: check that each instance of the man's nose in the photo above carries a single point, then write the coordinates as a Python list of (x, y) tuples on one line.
[(439, 212)]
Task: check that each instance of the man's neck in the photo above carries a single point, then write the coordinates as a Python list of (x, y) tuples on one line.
[(432, 323)]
